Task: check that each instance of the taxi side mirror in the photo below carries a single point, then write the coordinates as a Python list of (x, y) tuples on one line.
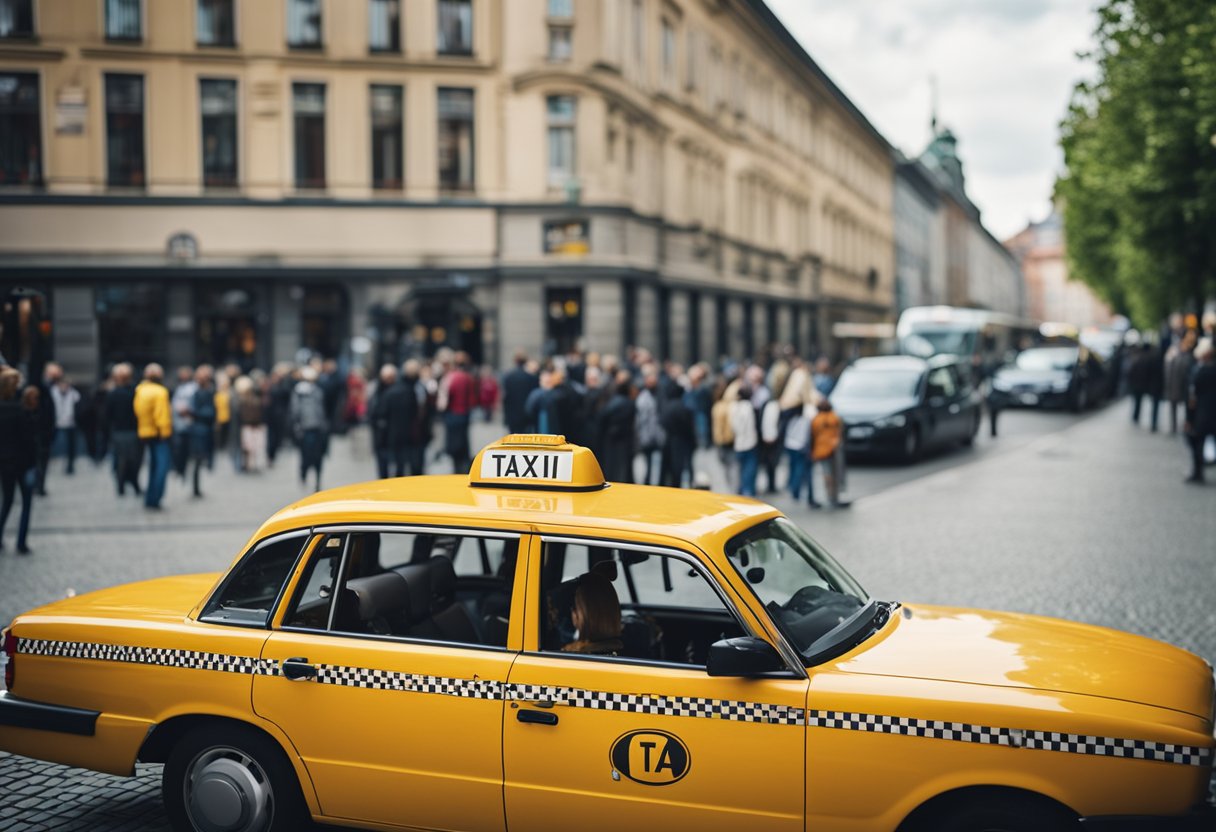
[(746, 656)]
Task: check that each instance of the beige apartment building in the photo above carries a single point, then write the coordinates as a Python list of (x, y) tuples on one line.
[(237, 180)]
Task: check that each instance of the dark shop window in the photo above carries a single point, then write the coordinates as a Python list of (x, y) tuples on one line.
[(216, 23), (387, 156), (309, 108), (455, 27), (125, 131), (456, 139), (20, 129), (16, 19), (384, 25), (304, 24), (218, 105), (123, 20)]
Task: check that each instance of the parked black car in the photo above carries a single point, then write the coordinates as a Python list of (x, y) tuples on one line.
[(899, 405), (1067, 376)]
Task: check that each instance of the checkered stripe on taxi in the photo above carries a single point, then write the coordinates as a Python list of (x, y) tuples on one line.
[(159, 656), (733, 710), (1012, 737), (678, 706)]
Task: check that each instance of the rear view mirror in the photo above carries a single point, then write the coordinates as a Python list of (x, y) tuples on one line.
[(755, 575), (745, 656)]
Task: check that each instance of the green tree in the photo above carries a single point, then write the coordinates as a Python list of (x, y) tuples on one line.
[(1139, 188)]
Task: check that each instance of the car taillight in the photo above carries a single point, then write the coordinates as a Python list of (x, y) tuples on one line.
[(10, 656)]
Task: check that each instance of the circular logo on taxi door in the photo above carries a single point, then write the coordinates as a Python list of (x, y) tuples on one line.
[(652, 758)]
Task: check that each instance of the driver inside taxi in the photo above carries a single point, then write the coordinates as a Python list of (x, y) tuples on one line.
[(597, 617)]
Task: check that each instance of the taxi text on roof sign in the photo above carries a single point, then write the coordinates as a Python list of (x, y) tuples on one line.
[(540, 462)]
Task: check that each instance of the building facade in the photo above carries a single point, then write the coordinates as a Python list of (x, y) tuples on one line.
[(980, 273), (920, 238), (230, 180), (1051, 295)]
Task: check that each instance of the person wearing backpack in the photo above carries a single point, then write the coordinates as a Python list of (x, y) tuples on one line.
[(722, 434)]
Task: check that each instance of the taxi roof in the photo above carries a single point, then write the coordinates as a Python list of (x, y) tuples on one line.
[(703, 518)]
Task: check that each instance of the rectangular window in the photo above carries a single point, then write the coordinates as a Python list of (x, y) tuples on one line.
[(639, 33), (563, 320), (123, 20), (692, 57), (561, 114), (308, 106), (456, 139), (16, 19), (384, 25), (668, 46), (561, 43), (20, 129), (563, 9), (455, 27), (387, 156), (216, 25), (304, 24), (218, 107), (125, 131)]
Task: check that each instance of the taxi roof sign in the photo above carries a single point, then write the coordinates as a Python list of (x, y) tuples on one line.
[(536, 462)]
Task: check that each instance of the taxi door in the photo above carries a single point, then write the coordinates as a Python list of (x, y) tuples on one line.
[(602, 743), (402, 731)]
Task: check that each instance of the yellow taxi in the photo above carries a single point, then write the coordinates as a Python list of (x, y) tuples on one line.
[(531, 648)]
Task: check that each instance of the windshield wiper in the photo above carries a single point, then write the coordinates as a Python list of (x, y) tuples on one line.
[(859, 630)]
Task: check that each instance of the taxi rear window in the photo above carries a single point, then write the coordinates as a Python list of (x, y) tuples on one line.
[(248, 594)]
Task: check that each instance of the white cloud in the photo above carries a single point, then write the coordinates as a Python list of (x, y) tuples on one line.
[(1004, 69)]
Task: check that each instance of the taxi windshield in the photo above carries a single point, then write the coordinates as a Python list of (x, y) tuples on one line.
[(813, 600)]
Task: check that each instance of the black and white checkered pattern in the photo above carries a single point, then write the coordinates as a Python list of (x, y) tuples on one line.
[(674, 706), (661, 705), (988, 735)]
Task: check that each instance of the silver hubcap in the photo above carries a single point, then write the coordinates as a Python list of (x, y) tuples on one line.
[(227, 791)]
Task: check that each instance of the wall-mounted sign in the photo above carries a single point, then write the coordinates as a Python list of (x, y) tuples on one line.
[(71, 110), (567, 236), (182, 246)]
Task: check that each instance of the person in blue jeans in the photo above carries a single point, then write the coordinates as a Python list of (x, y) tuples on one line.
[(747, 440), (154, 425)]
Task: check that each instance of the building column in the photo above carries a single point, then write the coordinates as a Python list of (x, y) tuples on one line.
[(521, 315), (76, 340), (182, 326), (285, 302), (709, 329), (785, 324), (486, 298), (647, 326), (603, 311), (734, 329), (677, 326)]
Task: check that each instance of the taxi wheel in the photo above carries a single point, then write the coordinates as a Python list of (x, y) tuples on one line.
[(996, 813), (912, 449), (231, 779)]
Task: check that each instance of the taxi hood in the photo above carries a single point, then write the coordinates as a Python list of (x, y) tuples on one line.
[(1027, 651), (166, 599)]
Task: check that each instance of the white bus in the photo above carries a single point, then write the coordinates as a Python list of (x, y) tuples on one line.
[(981, 337)]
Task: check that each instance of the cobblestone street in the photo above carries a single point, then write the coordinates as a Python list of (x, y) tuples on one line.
[(1081, 518)]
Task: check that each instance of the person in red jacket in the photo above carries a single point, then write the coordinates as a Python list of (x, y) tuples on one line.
[(457, 398)]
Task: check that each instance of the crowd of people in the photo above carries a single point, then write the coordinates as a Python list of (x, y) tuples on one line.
[(1180, 372), (646, 419)]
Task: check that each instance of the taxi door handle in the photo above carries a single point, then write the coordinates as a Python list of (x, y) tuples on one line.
[(537, 717), (298, 670)]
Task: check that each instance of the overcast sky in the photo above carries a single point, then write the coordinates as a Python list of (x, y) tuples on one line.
[(1004, 69)]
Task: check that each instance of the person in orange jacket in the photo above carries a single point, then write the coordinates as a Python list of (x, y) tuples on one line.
[(826, 431)]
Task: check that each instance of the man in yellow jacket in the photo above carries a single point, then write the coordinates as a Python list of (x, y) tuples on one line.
[(154, 422)]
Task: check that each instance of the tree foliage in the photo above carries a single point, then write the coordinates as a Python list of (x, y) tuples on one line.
[(1139, 188)]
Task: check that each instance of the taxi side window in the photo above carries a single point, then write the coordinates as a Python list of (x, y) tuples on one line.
[(630, 605), (249, 593), (406, 584)]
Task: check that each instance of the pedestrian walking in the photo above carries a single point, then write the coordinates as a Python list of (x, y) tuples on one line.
[(278, 406), (154, 424), (487, 392), (618, 428), (1146, 378), (826, 431), (202, 425), (126, 450), (66, 399), (651, 437), (378, 421), (18, 456), (223, 412), (1179, 363), (1201, 406), (681, 433), (180, 401), (252, 412), (562, 408), (722, 434), (746, 439), (797, 444), (310, 424), (418, 418), (45, 424), (595, 399), (457, 398), (516, 387)]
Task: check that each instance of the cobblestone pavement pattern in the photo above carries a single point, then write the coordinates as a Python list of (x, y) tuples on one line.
[(1081, 518)]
